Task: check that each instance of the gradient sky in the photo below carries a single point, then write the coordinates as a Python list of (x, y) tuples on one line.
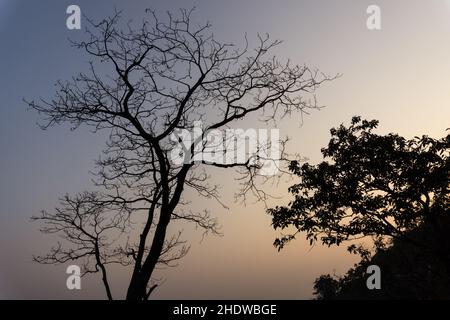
[(399, 75)]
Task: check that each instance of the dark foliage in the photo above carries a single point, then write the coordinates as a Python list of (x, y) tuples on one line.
[(407, 271), (374, 185), (386, 187)]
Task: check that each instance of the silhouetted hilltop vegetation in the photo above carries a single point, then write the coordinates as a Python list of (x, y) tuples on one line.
[(385, 187), (416, 267)]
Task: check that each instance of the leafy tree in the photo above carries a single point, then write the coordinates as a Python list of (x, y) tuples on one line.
[(374, 185), (142, 87), (386, 187)]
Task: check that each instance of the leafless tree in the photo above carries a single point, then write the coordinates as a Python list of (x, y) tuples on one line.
[(145, 84)]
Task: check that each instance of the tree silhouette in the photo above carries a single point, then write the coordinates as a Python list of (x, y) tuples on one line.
[(408, 271), (145, 84), (375, 185), (396, 191)]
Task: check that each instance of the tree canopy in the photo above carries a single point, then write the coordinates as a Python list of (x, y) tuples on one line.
[(143, 86), (392, 189), (372, 185)]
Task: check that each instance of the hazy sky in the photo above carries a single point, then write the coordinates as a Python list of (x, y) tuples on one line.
[(399, 75)]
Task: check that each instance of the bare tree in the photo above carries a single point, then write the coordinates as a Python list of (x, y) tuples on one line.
[(161, 78)]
